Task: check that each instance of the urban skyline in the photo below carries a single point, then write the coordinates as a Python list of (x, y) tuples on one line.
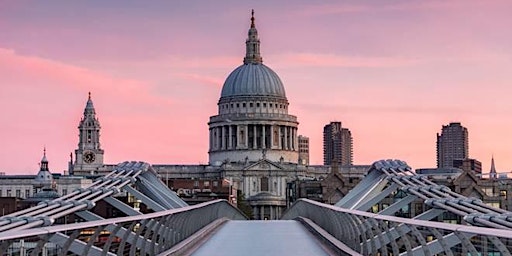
[(154, 94)]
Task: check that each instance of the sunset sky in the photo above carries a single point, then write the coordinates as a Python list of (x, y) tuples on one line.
[(393, 72)]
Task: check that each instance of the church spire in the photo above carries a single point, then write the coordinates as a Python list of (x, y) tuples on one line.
[(43, 178), (492, 172), (44, 161), (252, 45), (89, 107)]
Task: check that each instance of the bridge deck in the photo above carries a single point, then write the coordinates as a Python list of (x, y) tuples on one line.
[(280, 237)]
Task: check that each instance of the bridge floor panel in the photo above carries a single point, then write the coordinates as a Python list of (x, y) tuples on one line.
[(280, 237)]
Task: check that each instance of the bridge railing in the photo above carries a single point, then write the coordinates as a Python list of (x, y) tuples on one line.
[(145, 234), (372, 234)]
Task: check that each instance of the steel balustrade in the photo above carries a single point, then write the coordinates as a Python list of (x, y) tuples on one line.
[(147, 234), (377, 234), (139, 174), (374, 234)]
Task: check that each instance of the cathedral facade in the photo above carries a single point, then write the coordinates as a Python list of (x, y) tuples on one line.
[(253, 140)]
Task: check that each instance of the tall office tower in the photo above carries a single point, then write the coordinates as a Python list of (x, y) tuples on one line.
[(452, 144), (303, 150), (337, 144)]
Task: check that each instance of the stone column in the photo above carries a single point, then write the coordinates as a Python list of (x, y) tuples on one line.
[(279, 145), (215, 138), (296, 140), (272, 213), (272, 137), (255, 212), (230, 139), (246, 140), (222, 138), (239, 138), (263, 144), (219, 134), (262, 212), (285, 146), (290, 138), (254, 145)]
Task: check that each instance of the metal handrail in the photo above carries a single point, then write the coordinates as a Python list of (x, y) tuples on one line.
[(374, 233)]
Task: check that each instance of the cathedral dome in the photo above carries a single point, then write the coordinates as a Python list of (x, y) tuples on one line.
[(253, 80)]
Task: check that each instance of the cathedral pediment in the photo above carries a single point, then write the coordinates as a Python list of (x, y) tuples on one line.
[(263, 164)]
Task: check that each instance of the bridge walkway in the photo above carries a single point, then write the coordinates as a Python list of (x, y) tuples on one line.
[(276, 237)]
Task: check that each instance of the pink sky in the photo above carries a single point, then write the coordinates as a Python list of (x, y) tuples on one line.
[(393, 72)]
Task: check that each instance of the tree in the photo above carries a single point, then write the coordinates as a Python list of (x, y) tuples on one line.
[(242, 204)]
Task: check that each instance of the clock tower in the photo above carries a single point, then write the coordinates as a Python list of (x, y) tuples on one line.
[(89, 155)]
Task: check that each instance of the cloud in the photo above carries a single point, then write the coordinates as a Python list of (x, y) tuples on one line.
[(336, 60), (43, 100), (208, 80), (347, 8), (24, 69)]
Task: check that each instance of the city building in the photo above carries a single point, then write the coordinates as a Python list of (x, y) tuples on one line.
[(88, 155), (253, 141), (194, 191), (21, 191), (469, 164), (337, 145), (493, 174), (303, 150), (452, 144), (253, 119)]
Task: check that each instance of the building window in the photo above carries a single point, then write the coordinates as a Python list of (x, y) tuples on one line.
[(503, 194), (231, 105), (264, 184), (18, 193), (64, 192), (196, 183), (206, 183), (258, 105), (27, 193), (250, 104), (264, 105), (493, 204), (237, 105), (243, 104), (488, 191), (215, 183), (270, 104), (9, 193)]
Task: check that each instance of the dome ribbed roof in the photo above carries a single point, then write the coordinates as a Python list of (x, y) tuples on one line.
[(253, 80)]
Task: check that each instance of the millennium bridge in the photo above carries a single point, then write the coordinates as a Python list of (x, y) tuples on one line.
[(217, 228)]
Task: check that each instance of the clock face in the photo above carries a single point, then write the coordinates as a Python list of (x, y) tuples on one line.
[(89, 157)]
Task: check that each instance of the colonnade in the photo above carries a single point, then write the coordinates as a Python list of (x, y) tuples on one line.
[(253, 136), (267, 212)]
